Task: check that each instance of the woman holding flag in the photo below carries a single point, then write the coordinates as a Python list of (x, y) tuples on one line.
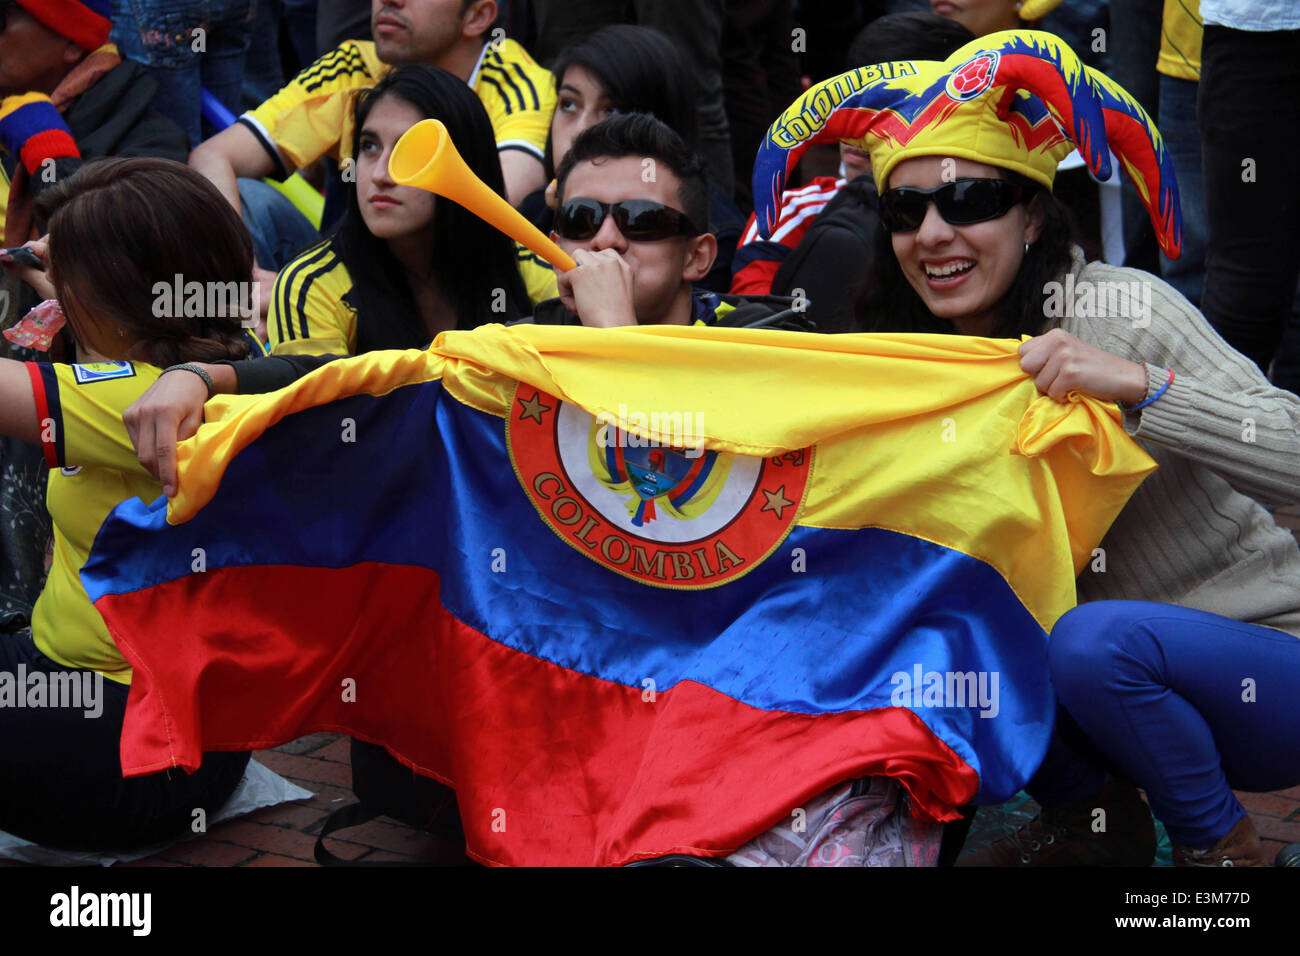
[(119, 230), (1181, 663)]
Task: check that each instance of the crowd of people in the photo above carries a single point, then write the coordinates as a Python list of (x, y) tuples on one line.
[(116, 179)]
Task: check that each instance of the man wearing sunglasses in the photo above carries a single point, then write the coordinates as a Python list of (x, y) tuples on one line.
[(632, 203)]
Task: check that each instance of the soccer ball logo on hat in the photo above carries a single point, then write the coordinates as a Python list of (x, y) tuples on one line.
[(973, 77)]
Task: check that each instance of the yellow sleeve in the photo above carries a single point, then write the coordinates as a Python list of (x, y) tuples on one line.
[(80, 410), (312, 115), (519, 97), (1180, 40), (308, 315), (537, 273)]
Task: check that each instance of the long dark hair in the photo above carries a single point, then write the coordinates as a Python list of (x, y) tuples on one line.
[(641, 70), (469, 260), (890, 304), (121, 227)]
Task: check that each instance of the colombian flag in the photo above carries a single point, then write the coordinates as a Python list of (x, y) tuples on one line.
[(630, 591)]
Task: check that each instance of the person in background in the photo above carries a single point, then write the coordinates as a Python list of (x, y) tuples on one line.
[(1249, 144), (760, 75), (696, 26), (265, 69), (629, 69), (831, 269), (187, 46), (311, 116), (1179, 66)]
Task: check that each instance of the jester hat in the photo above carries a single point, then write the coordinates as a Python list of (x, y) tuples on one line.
[(1019, 100)]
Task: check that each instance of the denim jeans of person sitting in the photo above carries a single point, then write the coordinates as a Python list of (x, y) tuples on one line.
[(1189, 705), (185, 45), (279, 230)]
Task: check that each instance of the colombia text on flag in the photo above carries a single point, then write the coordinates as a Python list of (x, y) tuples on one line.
[(629, 591)]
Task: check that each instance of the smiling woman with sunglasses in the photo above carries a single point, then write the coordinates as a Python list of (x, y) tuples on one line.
[(1180, 667)]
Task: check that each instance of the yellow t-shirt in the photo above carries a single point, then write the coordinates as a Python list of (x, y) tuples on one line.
[(313, 115), (1180, 40), (93, 468), (308, 314)]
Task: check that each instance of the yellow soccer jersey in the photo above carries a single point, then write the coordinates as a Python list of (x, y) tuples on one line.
[(1180, 40), (92, 469), (313, 115), (519, 97), (537, 273), (309, 315)]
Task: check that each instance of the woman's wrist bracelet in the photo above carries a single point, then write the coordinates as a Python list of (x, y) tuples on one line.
[(191, 367), (1151, 398)]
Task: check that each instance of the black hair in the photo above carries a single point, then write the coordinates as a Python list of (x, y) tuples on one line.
[(917, 35), (641, 71), (643, 136), (470, 260), (890, 304)]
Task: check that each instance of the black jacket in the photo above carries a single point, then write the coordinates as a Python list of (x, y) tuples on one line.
[(115, 117), (833, 262)]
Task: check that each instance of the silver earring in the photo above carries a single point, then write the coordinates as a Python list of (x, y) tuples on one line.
[(1026, 248)]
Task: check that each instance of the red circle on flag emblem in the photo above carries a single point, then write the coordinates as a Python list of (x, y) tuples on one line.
[(973, 77), (636, 492)]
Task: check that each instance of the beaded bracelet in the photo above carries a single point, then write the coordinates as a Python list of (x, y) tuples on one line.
[(1160, 391)]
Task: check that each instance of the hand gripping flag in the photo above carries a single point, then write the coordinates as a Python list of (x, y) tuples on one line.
[(1019, 99), (630, 592)]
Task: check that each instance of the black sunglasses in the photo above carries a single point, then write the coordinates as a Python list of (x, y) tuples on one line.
[(639, 220), (960, 203)]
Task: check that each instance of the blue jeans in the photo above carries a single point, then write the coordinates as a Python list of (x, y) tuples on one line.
[(160, 34), (264, 73), (278, 229), (1183, 139), (1187, 704)]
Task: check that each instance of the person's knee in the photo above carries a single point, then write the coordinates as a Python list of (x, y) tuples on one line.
[(1090, 643)]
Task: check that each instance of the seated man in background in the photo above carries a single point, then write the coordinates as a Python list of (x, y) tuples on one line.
[(311, 116)]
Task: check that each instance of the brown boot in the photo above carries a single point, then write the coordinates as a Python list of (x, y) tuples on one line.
[(1240, 846), (1064, 836)]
